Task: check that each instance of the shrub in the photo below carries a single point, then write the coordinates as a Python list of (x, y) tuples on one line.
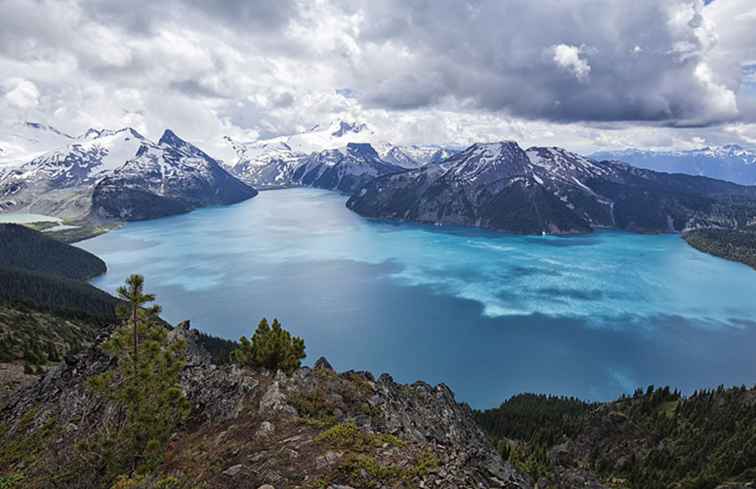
[(272, 347)]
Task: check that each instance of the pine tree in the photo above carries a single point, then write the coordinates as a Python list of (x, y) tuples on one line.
[(133, 293), (145, 381), (272, 347)]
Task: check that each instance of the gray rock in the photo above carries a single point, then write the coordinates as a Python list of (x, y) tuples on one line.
[(273, 400), (233, 470), (328, 459), (266, 428)]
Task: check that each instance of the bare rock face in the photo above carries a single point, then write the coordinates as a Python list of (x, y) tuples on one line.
[(256, 428)]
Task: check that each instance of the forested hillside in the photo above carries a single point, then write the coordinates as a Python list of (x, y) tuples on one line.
[(656, 439), (61, 296), (733, 245), (27, 249)]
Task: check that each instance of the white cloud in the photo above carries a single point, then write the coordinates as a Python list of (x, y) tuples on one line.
[(23, 94), (569, 58)]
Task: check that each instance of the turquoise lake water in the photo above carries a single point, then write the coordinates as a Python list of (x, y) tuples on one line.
[(488, 314)]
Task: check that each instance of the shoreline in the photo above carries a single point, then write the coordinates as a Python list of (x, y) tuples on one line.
[(75, 231)]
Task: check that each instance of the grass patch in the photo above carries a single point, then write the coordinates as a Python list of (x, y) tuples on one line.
[(313, 405), (24, 446), (349, 437), (11, 481), (363, 470)]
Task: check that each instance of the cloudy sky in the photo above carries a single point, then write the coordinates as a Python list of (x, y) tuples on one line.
[(585, 74)]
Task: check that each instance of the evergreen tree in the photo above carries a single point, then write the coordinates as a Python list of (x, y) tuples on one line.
[(145, 381), (272, 347), (136, 299)]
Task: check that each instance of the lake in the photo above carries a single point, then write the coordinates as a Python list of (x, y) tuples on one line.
[(488, 314)]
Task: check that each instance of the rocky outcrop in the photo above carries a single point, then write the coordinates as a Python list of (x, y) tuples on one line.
[(248, 428)]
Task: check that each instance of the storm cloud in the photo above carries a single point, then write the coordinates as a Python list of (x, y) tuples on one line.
[(575, 72), (569, 60)]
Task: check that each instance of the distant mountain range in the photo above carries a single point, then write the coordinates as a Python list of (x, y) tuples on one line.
[(353, 149), (118, 174), (341, 169), (731, 162), (550, 190), (121, 175)]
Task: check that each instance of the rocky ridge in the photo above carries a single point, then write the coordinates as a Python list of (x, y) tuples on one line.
[(249, 428)]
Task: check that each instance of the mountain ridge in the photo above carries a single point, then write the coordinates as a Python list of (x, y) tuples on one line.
[(120, 174), (550, 190), (731, 162), (273, 162)]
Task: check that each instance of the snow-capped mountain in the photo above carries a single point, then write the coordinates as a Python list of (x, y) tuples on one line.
[(550, 190), (56, 181), (342, 169), (730, 162), (336, 135), (63, 182), (265, 164), (165, 178), (423, 154), (395, 156), (23, 141), (283, 161)]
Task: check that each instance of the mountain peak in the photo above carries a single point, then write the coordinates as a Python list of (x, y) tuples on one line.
[(45, 127), (169, 137), (733, 147), (342, 128), (494, 150), (363, 150), (93, 133)]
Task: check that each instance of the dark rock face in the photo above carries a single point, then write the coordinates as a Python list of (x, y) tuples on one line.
[(257, 427), (549, 190)]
